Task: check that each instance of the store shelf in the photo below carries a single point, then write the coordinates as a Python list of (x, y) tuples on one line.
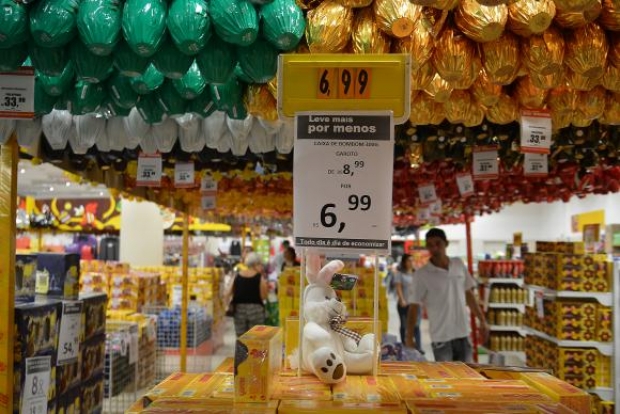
[(509, 354), (517, 306), (604, 298), (606, 394), (503, 281), (502, 328), (603, 347)]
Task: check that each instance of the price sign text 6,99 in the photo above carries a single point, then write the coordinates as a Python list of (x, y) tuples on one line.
[(344, 83)]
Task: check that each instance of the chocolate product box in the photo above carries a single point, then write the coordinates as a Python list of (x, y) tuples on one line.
[(25, 277), (58, 275), (36, 329)]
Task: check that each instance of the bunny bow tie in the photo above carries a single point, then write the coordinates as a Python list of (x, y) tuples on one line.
[(337, 325)]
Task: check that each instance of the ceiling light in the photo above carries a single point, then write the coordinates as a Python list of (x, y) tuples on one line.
[(101, 194), (68, 184), (22, 171), (51, 188)]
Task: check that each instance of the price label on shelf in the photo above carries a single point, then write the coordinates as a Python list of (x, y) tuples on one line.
[(343, 180), (344, 83), (535, 131), (540, 304), (427, 193), (69, 338), (184, 175), (17, 94), (36, 385), (149, 171), (535, 165), (465, 182), (485, 163)]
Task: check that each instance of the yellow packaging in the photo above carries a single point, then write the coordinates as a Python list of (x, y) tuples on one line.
[(411, 369), (226, 367), (334, 407), (136, 408), (201, 388), (445, 406), (359, 388), (258, 358), (409, 387), (301, 388), (170, 387), (435, 371), (559, 391), (461, 370), (225, 388), (198, 406)]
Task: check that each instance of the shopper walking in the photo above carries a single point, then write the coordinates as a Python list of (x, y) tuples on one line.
[(403, 281), (249, 291), (445, 288)]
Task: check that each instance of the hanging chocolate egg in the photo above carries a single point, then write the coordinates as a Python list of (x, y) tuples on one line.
[(481, 23), (529, 17), (328, 27), (501, 59), (586, 50)]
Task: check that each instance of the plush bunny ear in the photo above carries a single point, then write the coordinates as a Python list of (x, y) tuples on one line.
[(313, 266), (327, 272)]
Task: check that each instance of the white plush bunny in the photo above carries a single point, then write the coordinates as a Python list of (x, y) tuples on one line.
[(329, 351)]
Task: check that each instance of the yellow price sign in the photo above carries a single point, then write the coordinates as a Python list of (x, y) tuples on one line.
[(344, 82)]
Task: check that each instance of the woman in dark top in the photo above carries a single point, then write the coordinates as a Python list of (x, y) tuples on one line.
[(249, 291)]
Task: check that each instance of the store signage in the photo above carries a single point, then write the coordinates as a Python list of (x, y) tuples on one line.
[(184, 175), (540, 304), (343, 180), (208, 193), (535, 165), (535, 131), (340, 82), (427, 193), (208, 202), (436, 208), (517, 239), (149, 171), (69, 338), (423, 215), (17, 94), (465, 182), (485, 163), (36, 385)]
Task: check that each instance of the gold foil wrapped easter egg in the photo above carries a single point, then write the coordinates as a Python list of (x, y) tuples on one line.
[(308, 4), (426, 110), (611, 78), (574, 5), (579, 82), (614, 49), (272, 85), (328, 27), (481, 23), (445, 4), (260, 102), (469, 75), (421, 78), (610, 16), (484, 91), (454, 53), (562, 100), (439, 89), (366, 37), (575, 19), (528, 17), (475, 116), (586, 50), (494, 2), (419, 45), (501, 59), (528, 95), (396, 18), (355, 4), (561, 120), (611, 116), (504, 111), (590, 105), (547, 81), (544, 54), (458, 108)]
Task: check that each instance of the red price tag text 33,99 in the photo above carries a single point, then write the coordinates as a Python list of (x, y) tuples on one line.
[(344, 83)]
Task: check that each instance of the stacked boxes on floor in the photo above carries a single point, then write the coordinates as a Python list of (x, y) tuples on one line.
[(359, 301), (401, 387), (92, 352)]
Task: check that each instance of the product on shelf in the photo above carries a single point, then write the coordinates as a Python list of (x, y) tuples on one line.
[(93, 314), (36, 329), (504, 269), (91, 395), (93, 357), (511, 295), (69, 402), (25, 277), (58, 275), (362, 389), (506, 342), (505, 317)]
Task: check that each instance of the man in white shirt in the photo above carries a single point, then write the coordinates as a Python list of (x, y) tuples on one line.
[(445, 288)]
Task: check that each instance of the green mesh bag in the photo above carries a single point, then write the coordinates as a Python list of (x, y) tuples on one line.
[(99, 25), (53, 22), (203, 105), (50, 61), (110, 108), (13, 57), (235, 21), (43, 103), (89, 67), (150, 110), (192, 84), (241, 75), (170, 100), (144, 25), (13, 23), (283, 24), (189, 25), (57, 85), (86, 98), (148, 82), (259, 61), (226, 95), (170, 61), (121, 91), (127, 62), (217, 61)]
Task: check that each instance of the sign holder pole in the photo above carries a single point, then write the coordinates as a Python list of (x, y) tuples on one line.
[(9, 158), (302, 280), (470, 268), (376, 327), (185, 287)]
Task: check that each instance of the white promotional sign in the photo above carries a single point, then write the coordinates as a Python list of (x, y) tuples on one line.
[(184, 175), (17, 94), (535, 165), (343, 181), (149, 171), (436, 208), (208, 202), (423, 215), (540, 305), (535, 131), (427, 193), (485, 163), (36, 385), (208, 185), (69, 337), (465, 183)]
